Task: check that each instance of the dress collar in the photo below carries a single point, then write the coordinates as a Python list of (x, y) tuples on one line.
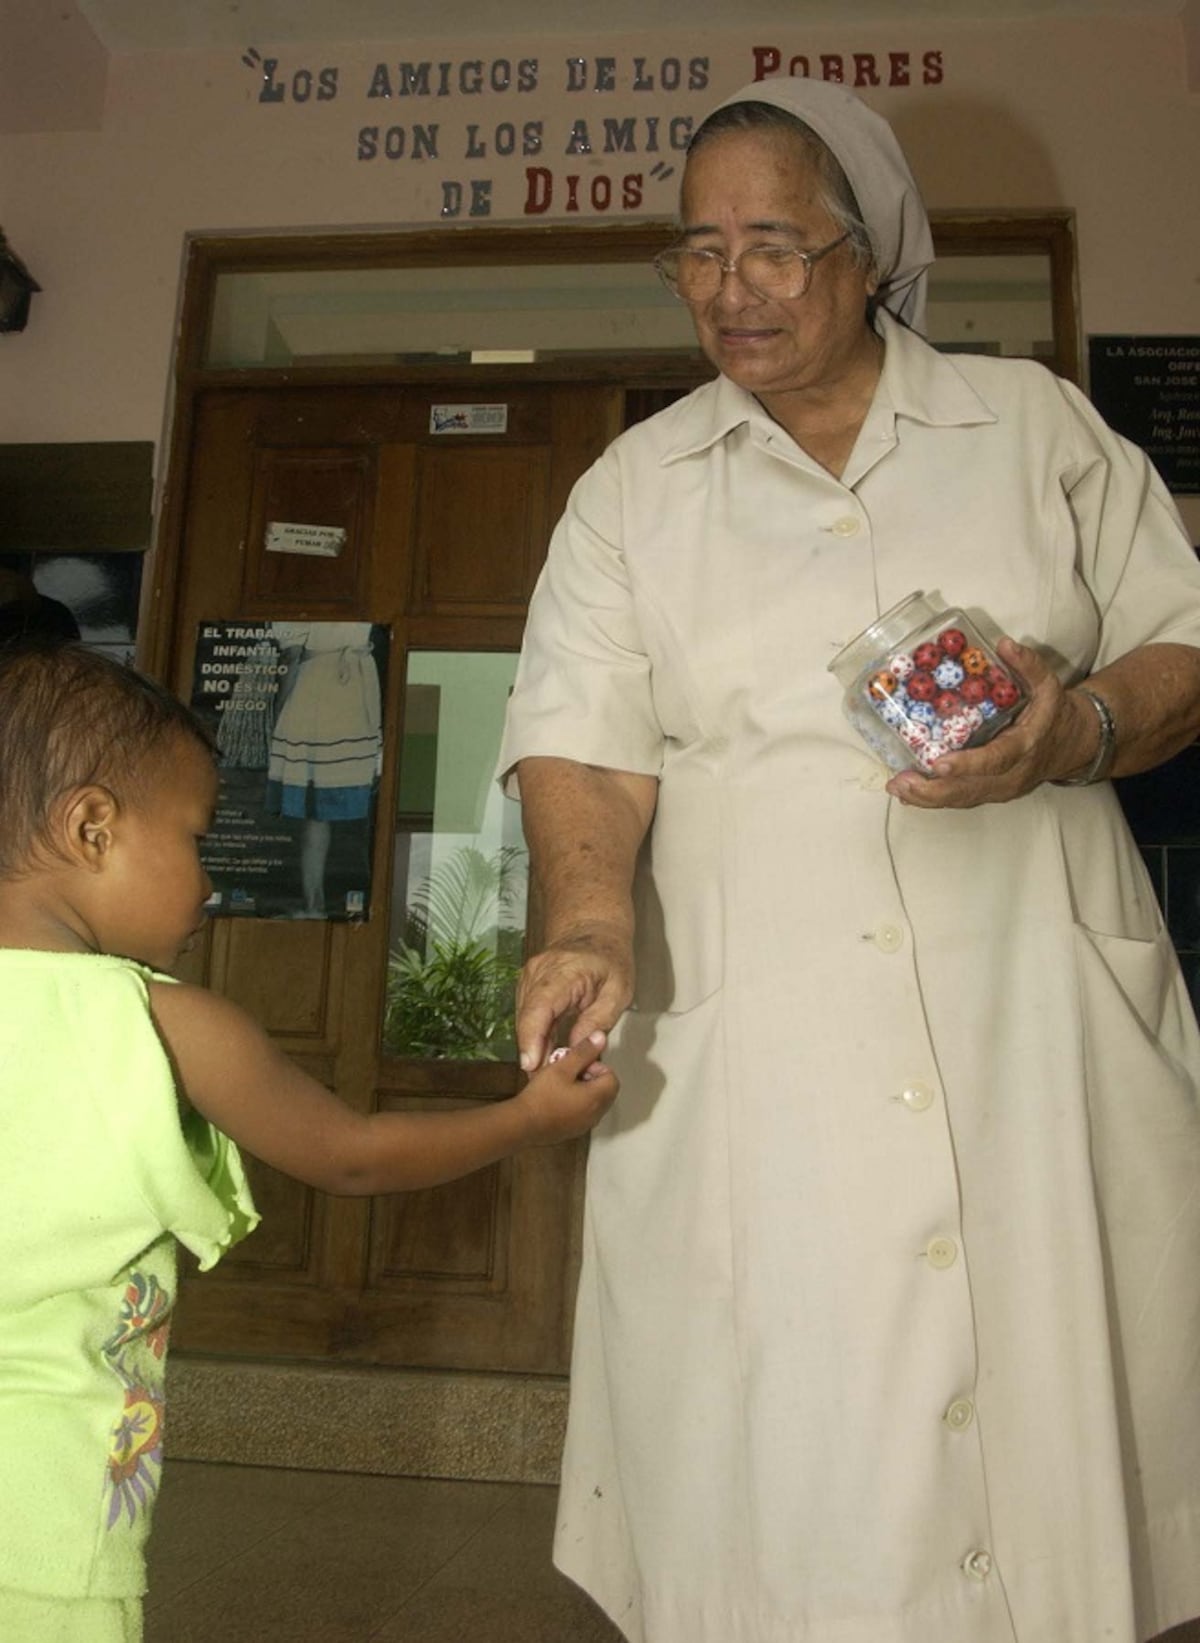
[(916, 383)]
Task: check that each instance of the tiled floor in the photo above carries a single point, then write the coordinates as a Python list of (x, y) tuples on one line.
[(249, 1554)]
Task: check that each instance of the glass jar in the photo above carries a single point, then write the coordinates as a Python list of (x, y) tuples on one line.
[(922, 682)]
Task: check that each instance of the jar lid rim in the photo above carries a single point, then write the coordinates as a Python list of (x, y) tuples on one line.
[(873, 628)]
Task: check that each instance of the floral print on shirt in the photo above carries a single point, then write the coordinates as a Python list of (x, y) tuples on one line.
[(136, 1351)]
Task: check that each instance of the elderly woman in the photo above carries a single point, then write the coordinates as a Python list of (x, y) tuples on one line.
[(889, 1320)]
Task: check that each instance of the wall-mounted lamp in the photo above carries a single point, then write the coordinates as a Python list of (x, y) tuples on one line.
[(17, 286)]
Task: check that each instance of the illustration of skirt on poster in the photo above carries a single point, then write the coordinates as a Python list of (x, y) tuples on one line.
[(295, 711)]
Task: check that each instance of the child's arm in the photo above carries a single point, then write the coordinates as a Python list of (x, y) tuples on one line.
[(231, 1072)]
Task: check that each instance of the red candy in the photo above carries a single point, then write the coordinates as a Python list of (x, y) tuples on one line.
[(947, 703), (927, 656), (1005, 693), (953, 641), (922, 687), (974, 689)]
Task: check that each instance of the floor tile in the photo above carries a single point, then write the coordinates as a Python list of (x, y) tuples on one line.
[(334, 1572), (209, 1513), (503, 1588)]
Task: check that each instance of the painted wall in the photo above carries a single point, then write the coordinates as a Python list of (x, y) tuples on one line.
[(107, 165)]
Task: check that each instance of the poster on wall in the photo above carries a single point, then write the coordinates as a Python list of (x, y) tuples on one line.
[(1148, 388), (294, 710)]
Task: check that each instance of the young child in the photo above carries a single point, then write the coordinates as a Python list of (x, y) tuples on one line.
[(122, 1095)]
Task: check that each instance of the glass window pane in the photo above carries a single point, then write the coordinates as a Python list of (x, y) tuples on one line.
[(999, 304), (457, 930), (404, 315)]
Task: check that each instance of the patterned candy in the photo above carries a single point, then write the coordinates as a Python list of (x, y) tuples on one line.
[(882, 684), (947, 702), (922, 687), (974, 661), (973, 689), (923, 713), (953, 641), (948, 673), (927, 656), (1005, 693), (901, 665), (960, 727)]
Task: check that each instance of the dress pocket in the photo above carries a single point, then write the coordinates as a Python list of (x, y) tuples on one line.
[(1142, 970)]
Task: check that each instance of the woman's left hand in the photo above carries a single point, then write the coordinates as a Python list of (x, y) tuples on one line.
[(1054, 736)]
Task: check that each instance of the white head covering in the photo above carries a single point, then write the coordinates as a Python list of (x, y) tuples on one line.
[(865, 147)]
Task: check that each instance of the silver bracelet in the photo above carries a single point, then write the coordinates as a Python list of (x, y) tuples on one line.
[(1106, 752)]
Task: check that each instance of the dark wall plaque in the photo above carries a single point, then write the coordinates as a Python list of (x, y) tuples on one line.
[(1148, 388), (76, 498)]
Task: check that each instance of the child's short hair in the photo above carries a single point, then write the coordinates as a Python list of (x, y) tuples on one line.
[(70, 717)]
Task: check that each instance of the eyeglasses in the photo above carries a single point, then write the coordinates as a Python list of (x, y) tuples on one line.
[(773, 272)]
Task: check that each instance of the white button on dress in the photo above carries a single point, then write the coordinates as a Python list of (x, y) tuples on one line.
[(917, 1097), (978, 1565), (846, 526), (959, 1415), (941, 1253), (889, 938)]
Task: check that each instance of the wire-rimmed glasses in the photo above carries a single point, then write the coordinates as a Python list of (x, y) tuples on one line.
[(776, 273)]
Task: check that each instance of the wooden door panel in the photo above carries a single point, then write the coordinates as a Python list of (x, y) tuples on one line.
[(455, 1236), (316, 485), (286, 975), (444, 539), (480, 528)]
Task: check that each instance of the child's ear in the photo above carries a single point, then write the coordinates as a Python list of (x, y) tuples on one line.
[(85, 830)]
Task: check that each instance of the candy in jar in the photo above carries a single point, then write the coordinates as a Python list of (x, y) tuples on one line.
[(921, 681)]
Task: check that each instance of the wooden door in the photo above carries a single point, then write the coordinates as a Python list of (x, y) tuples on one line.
[(444, 539)]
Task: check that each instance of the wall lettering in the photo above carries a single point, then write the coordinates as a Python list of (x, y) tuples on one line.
[(581, 181)]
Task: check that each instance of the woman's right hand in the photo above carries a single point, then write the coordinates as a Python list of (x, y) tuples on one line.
[(587, 975), (569, 1095)]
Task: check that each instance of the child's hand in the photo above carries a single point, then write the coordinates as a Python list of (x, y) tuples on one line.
[(570, 1094)]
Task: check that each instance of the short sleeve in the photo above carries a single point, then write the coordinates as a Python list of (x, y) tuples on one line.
[(189, 1174), (582, 689), (1134, 550), (220, 1211)]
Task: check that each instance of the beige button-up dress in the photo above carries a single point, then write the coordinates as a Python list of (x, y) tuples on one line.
[(889, 1320)]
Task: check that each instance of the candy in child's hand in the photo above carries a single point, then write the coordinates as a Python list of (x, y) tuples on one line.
[(556, 1055)]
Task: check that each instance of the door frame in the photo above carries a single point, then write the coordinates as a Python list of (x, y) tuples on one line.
[(208, 256)]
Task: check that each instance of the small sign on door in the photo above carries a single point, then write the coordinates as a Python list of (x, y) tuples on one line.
[(323, 541), (468, 419)]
